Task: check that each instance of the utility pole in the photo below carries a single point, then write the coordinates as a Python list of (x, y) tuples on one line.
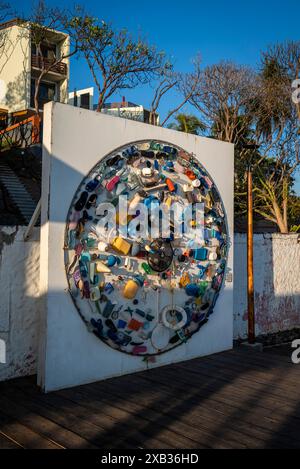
[(250, 279), (251, 148)]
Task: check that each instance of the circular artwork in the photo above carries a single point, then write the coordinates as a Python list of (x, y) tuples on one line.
[(146, 248)]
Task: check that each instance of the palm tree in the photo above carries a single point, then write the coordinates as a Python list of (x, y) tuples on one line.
[(187, 123)]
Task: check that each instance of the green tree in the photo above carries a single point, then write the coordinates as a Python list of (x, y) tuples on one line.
[(187, 123), (116, 60)]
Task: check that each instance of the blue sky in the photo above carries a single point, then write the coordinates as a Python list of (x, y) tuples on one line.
[(219, 30)]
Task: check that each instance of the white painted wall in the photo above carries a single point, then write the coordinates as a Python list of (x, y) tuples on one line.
[(19, 305), (276, 283), (74, 141), (278, 303)]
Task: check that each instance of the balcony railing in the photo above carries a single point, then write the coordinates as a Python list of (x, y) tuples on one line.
[(55, 67)]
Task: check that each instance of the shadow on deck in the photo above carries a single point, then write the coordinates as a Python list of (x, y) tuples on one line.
[(236, 399)]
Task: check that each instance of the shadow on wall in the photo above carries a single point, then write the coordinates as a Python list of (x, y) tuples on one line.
[(276, 283), (20, 304), (17, 92)]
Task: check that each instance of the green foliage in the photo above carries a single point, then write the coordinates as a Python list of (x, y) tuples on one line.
[(187, 123), (116, 60)]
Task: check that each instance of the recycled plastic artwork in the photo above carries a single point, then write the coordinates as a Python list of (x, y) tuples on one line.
[(140, 295)]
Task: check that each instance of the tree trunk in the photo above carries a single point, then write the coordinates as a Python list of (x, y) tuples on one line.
[(285, 202), (281, 222), (36, 96), (100, 102)]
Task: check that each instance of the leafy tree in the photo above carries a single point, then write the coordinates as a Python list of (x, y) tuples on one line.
[(188, 123), (116, 60), (241, 106)]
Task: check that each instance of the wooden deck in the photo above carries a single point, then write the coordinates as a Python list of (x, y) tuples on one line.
[(237, 399)]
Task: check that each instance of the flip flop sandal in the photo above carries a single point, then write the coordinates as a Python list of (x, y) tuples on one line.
[(131, 151), (75, 217), (110, 185), (113, 336), (156, 146), (161, 155), (109, 323), (123, 339), (139, 350), (114, 160), (81, 201), (108, 309), (83, 270), (76, 277), (148, 154), (80, 229), (92, 185), (97, 325), (170, 150), (91, 202), (78, 249), (72, 239), (86, 290)]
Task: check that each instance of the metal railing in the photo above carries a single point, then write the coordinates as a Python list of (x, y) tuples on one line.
[(22, 134)]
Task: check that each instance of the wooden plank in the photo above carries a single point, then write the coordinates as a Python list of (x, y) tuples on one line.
[(134, 401), (229, 400), (117, 429), (25, 437), (39, 404), (7, 443), (15, 409), (242, 414), (195, 414), (283, 379), (166, 436)]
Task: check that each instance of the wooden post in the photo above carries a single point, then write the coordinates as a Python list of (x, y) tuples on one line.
[(251, 317)]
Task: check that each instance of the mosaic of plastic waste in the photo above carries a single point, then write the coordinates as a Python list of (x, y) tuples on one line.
[(139, 295)]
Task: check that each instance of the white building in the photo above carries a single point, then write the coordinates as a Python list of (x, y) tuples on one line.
[(20, 67), (129, 110), (82, 98)]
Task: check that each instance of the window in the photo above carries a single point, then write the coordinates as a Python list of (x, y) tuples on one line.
[(47, 92), (85, 101)]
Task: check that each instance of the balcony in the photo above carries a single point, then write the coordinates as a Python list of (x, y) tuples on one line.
[(59, 68)]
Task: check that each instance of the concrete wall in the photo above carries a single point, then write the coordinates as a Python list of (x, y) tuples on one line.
[(19, 305), (277, 283), (277, 293)]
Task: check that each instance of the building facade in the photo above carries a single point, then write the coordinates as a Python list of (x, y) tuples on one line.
[(20, 67)]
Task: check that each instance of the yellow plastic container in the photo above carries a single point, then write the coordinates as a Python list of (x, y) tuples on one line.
[(130, 289), (121, 245)]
